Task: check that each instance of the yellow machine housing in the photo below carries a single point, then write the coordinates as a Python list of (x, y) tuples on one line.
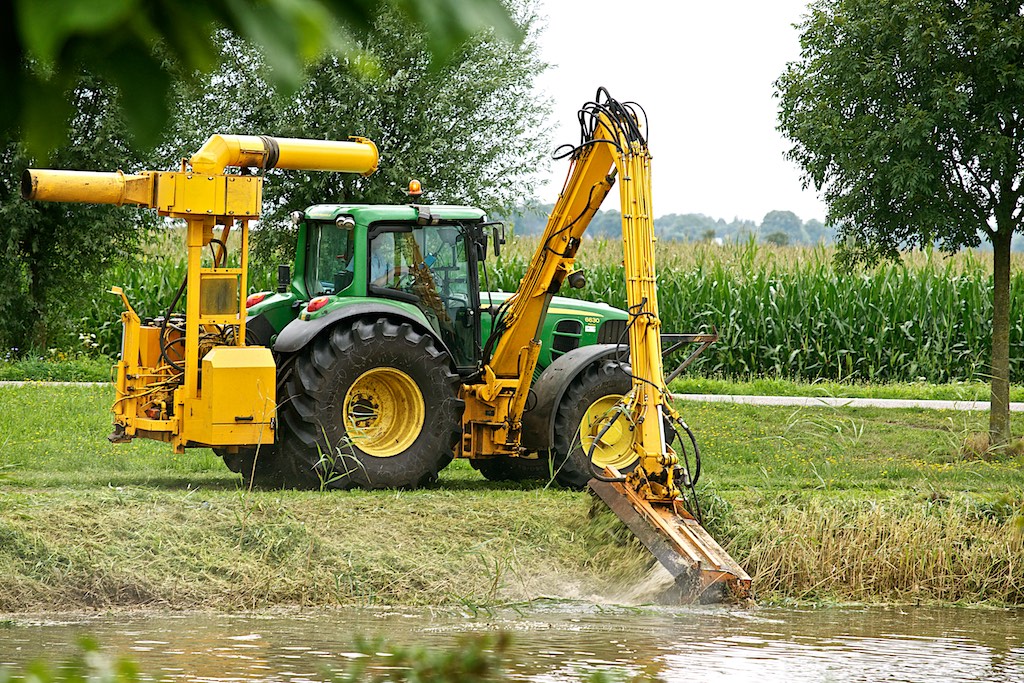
[(237, 396), (211, 389)]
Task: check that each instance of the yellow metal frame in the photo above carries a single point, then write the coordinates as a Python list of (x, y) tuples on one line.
[(225, 395), (492, 421)]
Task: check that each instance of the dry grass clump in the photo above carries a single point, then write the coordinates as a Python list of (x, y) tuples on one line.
[(978, 446), (939, 549)]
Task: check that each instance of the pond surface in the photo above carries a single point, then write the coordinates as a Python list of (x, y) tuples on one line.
[(558, 641)]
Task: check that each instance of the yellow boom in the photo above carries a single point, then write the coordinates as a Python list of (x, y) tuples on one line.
[(649, 499)]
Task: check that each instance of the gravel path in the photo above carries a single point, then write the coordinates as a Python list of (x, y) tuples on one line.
[(801, 401)]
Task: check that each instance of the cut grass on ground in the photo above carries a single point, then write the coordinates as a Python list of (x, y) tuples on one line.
[(818, 503)]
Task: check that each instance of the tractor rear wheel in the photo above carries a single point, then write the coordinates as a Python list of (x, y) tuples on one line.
[(257, 467), (513, 469), (372, 404), (590, 409)]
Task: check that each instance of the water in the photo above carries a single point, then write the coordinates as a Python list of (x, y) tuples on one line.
[(559, 641)]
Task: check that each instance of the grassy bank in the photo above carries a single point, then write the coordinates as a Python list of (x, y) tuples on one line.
[(818, 504)]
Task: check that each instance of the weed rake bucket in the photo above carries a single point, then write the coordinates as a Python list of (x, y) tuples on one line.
[(703, 571)]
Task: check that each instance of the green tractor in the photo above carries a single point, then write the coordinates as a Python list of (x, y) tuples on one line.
[(380, 322), (380, 359)]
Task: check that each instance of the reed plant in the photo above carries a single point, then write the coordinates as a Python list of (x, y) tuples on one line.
[(896, 550)]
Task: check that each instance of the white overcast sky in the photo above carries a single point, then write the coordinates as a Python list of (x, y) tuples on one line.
[(703, 71)]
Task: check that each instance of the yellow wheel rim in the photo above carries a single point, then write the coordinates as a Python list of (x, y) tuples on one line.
[(614, 447), (383, 412)]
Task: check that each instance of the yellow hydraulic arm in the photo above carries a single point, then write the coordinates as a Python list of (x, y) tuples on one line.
[(612, 146), (650, 498), (204, 387)]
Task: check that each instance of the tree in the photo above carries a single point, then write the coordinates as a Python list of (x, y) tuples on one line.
[(143, 46), (907, 115), (54, 254), (785, 222), (816, 231), (777, 238), (472, 131)]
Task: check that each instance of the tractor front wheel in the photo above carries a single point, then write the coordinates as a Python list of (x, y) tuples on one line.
[(591, 410), (372, 404)]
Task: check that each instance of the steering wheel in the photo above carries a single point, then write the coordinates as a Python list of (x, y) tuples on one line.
[(400, 276)]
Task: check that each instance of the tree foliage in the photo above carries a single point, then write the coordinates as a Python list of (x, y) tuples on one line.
[(682, 227), (471, 130), (907, 115), (54, 254), (785, 222), (431, 105), (142, 46), (779, 238)]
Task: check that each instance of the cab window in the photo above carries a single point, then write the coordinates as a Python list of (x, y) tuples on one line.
[(329, 266)]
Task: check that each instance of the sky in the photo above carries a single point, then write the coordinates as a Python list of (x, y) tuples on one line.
[(703, 71)]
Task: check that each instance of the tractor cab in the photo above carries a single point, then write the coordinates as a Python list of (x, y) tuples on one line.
[(423, 259)]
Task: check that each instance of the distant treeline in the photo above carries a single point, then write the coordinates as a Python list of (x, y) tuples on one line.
[(781, 228), (777, 227)]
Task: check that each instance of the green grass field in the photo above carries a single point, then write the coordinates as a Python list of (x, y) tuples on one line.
[(819, 504)]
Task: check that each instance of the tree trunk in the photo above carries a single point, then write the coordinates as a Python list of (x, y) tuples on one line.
[(999, 408)]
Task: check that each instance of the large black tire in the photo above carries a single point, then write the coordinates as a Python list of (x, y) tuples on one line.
[(373, 405), (595, 389), (513, 469), (258, 467)]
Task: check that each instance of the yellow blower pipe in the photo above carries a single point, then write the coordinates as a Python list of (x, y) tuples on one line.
[(87, 186), (358, 155)]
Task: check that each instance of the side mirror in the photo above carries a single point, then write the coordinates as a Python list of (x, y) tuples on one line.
[(498, 230)]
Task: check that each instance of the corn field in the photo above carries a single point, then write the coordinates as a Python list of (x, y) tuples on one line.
[(781, 312), (787, 312)]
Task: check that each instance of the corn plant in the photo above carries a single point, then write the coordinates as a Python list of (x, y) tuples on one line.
[(789, 313)]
